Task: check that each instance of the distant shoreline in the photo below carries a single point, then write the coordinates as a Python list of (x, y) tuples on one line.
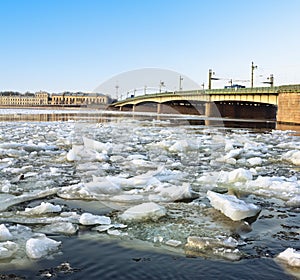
[(55, 107)]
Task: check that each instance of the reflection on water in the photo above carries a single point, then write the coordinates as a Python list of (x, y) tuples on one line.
[(107, 116)]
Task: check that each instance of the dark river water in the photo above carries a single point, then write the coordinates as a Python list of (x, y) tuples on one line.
[(92, 259)]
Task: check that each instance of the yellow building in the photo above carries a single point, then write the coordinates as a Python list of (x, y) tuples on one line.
[(78, 98), (27, 99), (42, 98)]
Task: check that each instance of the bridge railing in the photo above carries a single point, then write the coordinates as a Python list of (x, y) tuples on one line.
[(256, 90), (289, 88), (225, 91)]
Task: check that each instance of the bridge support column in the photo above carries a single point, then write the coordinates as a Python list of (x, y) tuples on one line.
[(121, 108), (159, 108), (211, 110), (133, 108), (289, 108)]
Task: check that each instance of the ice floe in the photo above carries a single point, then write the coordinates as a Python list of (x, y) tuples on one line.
[(173, 243), (290, 256), (255, 161), (7, 249), (292, 156), (90, 219), (40, 246), (231, 206), (220, 247), (174, 193), (44, 207), (5, 234), (13, 200), (281, 187), (144, 211), (149, 186), (66, 228)]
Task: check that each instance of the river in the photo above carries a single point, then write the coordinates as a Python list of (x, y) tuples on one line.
[(62, 171)]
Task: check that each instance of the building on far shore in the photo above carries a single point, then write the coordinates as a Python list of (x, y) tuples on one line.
[(79, 98), (42, 98), (9, 98)]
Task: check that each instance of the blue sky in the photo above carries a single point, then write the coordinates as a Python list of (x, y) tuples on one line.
[(58, 45)]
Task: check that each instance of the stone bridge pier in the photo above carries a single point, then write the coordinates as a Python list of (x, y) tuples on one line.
[(289, 107)]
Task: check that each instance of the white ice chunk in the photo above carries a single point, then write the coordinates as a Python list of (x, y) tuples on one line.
[(13, 200), (217, 246), (231, 161), (104, 186), (7, 249), (233, 154), (44, 207), (73, 154), (239, 174), (144, 211), (127, 198), (5, 233), (281, 187), (290, 256), (173, 243), (103, 228), (132, 157), (40, 246), (101, 156), (182, 146), (96, 145), (90, 219), (200, 243), (236, 175), (114, 232), (5, 186), (292, 156), (231, 206), (60, 227), (254, 161), (174, 193), (55, 171), (294, 202), (142, 180)]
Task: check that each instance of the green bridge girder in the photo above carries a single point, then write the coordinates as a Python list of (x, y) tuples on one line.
[(267, 95)]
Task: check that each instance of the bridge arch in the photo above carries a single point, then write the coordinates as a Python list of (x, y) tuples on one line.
[(246, 110), (257, 103)]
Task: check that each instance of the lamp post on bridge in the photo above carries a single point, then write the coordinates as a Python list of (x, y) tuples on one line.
[(180, 85), (252, 70), (162, 84), (270, 80), (210, 78), (117, 91)]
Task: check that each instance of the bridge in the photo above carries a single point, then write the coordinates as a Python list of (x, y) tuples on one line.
[(280, 103)]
